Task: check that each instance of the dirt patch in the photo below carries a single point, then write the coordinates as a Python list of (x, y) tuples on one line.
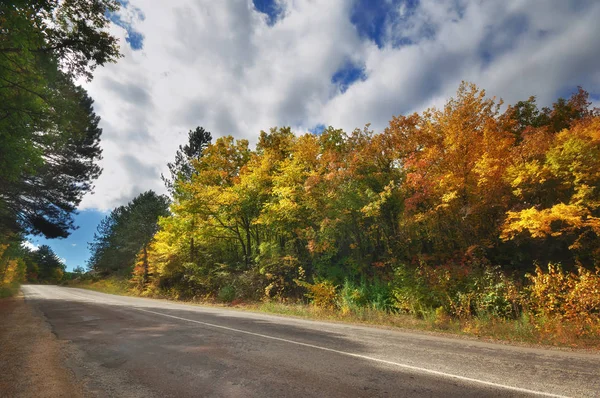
[(32, 363)]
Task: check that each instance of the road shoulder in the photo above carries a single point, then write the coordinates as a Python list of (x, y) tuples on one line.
[(32, 359)]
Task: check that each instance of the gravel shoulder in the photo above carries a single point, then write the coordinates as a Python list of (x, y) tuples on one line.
[(32, 359)]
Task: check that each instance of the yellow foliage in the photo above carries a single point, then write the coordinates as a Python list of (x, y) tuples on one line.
[(526, 176), (57, 274), (373, 209), (322, 294), (12, 270), (555, 221), (570, 297), (449, 197)]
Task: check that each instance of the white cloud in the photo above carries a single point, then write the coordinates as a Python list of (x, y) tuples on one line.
[(219, 65), (31, 246)]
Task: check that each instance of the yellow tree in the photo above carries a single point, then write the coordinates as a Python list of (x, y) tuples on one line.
[(568, 211), (454, 159), (212, 194)]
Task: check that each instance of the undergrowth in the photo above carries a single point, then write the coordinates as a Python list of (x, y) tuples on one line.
[(8, 290), (374, 304)]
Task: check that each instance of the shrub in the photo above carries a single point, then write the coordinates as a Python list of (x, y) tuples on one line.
[(441, 318), (375, 295), (226, 294), (321, 294), (570, 297), (278, 271), (8, 290), (249, 285), (411, 291), (466, 288), (350, 298)]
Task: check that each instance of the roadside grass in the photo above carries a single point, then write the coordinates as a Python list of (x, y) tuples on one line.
[(513, 331), (8, 290), (110, 285), (525, 330)]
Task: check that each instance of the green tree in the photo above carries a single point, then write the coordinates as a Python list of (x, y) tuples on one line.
[(70, 33), (44, 195), (50, 266), (182, 168), (49, 135), (181, 171), (106, 254), (125, 232)]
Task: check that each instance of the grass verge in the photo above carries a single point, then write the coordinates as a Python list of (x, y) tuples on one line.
[(524, 331), (8, 290), (109, 285)]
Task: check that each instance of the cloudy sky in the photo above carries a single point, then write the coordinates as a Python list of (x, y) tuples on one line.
[(241, 66)]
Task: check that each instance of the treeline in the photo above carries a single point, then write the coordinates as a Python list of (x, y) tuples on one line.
[(21, 264), (49, 134), (445, 211)]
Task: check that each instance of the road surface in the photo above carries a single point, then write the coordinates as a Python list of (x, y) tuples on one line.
[(125, 346)]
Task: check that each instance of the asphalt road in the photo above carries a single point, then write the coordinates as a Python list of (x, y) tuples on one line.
[(125, 346)]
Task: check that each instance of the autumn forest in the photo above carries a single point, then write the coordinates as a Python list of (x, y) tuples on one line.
[(475, 210)]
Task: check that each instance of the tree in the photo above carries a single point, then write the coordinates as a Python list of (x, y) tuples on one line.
[(557, 212), (435, 211), (211, 196), (144, 212), (454, 160), (78, 271), (49, 135), (50, 267), (72, 33), (105, 254), (526, 117), (182, 168), (14, 261), (43, 196), (125, 232)]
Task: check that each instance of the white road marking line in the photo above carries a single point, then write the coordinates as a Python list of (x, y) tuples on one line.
[(350, 354)]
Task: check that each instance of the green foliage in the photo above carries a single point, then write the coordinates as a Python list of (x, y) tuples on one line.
[(125, 232), (280, 272), (375, 295), (72, 33), (110, 285), (50, 266), (462, 289), (8, 290), (226, 294), (49, 134), (181, 169)]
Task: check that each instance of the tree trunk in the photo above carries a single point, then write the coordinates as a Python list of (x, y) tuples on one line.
[(192, 248), (145, 265)]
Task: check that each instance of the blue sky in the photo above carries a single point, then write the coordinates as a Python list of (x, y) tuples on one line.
[(74, 249), (272, 9), (239, 67), (125, 20), (373, 18)]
